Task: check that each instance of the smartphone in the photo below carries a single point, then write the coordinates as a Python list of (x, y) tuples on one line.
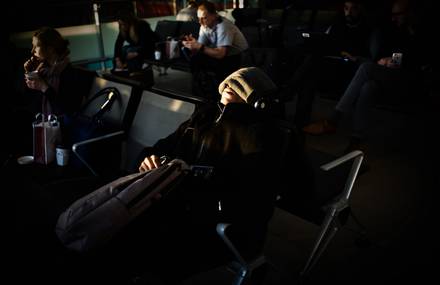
[(305, 35), (396, 58)]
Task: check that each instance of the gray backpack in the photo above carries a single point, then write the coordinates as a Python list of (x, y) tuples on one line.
[(94, 219)]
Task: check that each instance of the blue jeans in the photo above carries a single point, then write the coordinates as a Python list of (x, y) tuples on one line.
[(370, 83)]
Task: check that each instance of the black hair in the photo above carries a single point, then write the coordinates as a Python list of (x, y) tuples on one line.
[(208, 6), (126, 16)]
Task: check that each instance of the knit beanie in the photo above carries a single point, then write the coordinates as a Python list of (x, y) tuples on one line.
[(250, 83)]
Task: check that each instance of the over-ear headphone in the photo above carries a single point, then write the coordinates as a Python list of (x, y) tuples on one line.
[(265, 103)]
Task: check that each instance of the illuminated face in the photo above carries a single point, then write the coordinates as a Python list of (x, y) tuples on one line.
[(37, 51), (229, 96), (205, 19), (352, 11)]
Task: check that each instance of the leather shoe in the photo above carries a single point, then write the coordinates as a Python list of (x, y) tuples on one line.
[(319, 128)]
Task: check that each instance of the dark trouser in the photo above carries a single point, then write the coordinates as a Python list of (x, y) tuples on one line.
[(318, 74), (370, 81)]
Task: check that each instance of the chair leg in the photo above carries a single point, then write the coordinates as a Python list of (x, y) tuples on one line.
[(240, 275), (322, 241), (362, 241)]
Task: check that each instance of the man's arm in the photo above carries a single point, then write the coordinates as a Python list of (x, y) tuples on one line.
[(217, 52)]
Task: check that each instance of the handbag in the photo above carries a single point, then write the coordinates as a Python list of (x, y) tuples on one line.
[(46, 136), (93, 220)]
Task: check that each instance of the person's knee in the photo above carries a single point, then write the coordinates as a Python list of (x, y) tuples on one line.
[(367, 68), (370, 87), (369, 91)]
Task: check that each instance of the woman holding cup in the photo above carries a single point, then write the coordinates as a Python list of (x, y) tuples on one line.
[(50, 73)]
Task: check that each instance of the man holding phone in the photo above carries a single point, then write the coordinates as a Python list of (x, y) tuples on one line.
[(218, 48)]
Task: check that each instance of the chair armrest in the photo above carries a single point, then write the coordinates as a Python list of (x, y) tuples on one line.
[(221, 230), (78, 145), (357, 156), (340, 160)]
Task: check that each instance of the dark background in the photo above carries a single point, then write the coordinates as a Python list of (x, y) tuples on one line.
[(28, 16)]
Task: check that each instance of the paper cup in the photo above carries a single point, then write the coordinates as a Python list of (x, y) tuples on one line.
[(62, 156), (157, 55)]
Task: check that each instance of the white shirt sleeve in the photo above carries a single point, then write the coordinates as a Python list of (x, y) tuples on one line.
[(225, 36), (203, 38)]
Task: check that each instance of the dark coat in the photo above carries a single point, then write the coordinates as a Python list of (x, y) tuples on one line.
[(146, 44), (238, 143), (74, 86)]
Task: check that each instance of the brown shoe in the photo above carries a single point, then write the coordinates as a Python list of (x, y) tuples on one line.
[(319, 128)]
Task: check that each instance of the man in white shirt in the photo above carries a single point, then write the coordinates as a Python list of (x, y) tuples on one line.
[(219, 45)]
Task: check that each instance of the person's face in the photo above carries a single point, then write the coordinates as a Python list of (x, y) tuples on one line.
[(352, 11), (124, 28), (229, 96), (37, 50), (398, 15), (205, 19)]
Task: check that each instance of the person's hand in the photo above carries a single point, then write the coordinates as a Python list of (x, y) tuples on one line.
[(150, 162), (387, 62), (32, 64), (347, 55), (118, 63), (188, 37), (191, 43), (37, 83)]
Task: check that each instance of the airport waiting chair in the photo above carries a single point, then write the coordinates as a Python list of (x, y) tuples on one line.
[(188, 28), (241, 268), (156, 117), (328, 207), (115, 117), (167, 28), (327, 204)]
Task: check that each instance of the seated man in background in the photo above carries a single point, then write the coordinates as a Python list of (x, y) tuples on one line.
[(135, 43), (218, 49), (189, 13), (393, 76), (331, 65)]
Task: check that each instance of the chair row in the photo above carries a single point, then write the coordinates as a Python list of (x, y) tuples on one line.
[(140, 116)]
